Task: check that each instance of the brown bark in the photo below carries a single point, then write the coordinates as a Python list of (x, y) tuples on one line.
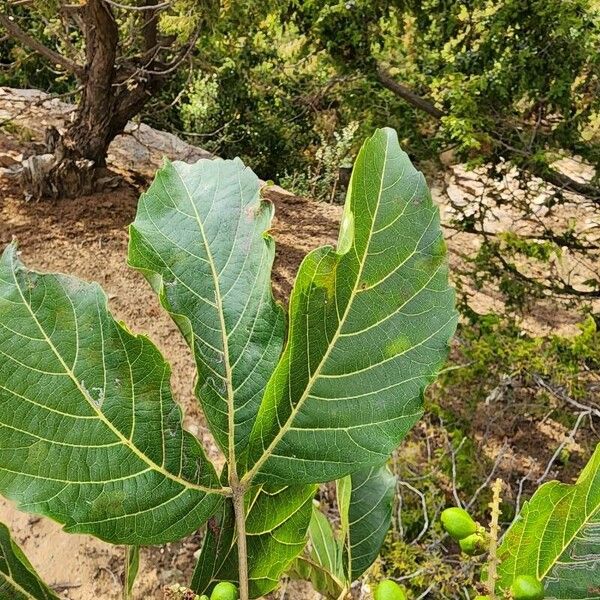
[(110, 97), (91, 133)]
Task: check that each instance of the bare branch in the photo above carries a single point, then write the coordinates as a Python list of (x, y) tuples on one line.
[(177, 62), (560, 395), (484, 485), (54, 57), (568, 440), (423, 506)]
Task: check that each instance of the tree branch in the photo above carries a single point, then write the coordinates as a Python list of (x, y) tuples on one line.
[(150, 28), (384, 77), (17, 33), (565, 182)]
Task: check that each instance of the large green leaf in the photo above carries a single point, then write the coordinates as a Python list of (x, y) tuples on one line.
[(199, 237), (556, 538), (276, 523), (369, 516), (18, 579), (369, 328), (89, 432)]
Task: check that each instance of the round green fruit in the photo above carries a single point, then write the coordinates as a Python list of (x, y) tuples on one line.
[(527, 587), (458, 523), (389, 590), (481, 598), (472, 544), (224, 591), (204, 597)]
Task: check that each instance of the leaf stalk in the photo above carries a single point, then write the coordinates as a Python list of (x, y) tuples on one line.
[(240, 523)]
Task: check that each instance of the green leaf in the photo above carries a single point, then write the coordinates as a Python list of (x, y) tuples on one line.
[(556, 538), (132, 567), (200, 238), (322, 561), (370, 515), (369, 329), (18, 579), (331, 562), (276, 524), (326, 549), (89, 432)]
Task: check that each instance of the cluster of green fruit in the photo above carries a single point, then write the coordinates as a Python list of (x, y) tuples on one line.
[(473, 539), (471, 536)]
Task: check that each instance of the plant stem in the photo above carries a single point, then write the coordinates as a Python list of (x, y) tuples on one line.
[(132, 563), (494, 531), (240, 524)]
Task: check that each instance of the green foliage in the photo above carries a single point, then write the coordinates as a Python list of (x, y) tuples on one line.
[(334, 559), (90, 434), (555, 539), (492, 347), (18, 579), (552, 547), (427, 565), (323, 178), (276, 524), (79, 389), (22, 68)]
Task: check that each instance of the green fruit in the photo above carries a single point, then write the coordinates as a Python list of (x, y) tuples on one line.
[(472, 544), (458, 523), (204, 597), (389, 590), (481, 598), (224, 591), (527, 587)]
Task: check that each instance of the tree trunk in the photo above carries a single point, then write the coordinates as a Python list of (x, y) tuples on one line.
[(76, 161), (81, 151)]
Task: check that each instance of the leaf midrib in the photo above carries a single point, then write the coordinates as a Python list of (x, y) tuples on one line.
[(8, 577), (266, 453), (224, 338), (124, 440)]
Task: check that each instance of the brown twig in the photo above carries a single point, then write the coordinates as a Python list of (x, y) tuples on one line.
[(54, 57)]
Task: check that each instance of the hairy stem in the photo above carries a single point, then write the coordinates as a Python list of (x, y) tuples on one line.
[(240, 523), (494, 531)]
